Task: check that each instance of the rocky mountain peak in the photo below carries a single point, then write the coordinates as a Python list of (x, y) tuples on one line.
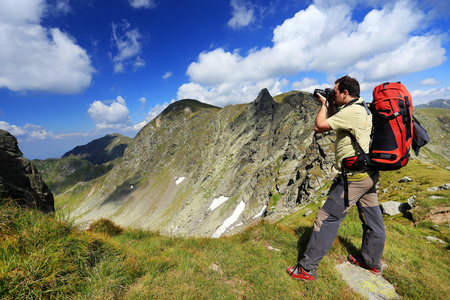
[(264, 100)]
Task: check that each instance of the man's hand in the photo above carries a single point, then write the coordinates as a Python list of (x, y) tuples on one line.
[(321, 124), (321, 99)]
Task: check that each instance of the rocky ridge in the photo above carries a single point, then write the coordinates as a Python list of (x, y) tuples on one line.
[(102, 150), (20, 181)]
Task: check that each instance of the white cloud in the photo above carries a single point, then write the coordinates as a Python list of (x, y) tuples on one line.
[(243, 14), (143, 3), (167, 75), (324, 37), (420, 97), (127, 42), (27, 132), (108, 117), (429, 81), (63, 6), (305, 84), (156, 110), (36, 58), (231, 92)]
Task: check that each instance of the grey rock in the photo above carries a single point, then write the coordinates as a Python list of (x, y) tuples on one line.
[(405, 179), (19, 178), (393, 208), (412, 200), (368, 285)]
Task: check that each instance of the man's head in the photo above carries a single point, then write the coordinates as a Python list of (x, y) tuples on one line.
[(346, 89)]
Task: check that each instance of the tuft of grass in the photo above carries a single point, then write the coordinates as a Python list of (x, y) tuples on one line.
[(105, 226), (44, 257)]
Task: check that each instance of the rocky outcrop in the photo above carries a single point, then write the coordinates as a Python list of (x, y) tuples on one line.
[(19, 179)]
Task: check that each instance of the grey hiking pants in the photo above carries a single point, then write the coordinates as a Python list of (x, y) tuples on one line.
[(363, 194)]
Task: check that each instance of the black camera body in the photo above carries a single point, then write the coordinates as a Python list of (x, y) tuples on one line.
[(327, 93)]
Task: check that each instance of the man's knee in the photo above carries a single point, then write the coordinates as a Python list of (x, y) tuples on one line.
[(320, 217)]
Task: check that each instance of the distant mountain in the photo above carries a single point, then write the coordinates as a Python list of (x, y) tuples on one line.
[(102, 150), (439, 103)]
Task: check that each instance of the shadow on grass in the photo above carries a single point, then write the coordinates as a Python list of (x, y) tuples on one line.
[(304, 234)]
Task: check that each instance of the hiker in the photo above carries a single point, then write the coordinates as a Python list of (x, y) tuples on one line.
[(352, 116)]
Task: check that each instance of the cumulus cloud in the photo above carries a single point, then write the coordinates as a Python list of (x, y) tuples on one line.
[(305, 85), (156, 110), (33, 57), (243, 14), (429, 81), (230, 92), (28, 132), (420, 97), (324, 37), (110, 114), (143, 3), (128, 45)]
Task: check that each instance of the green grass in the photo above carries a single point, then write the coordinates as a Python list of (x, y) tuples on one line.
[(46, 257)]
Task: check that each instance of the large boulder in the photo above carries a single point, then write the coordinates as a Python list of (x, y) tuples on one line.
[(19, 179)]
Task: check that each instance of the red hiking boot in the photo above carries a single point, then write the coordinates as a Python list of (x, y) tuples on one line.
[(297, 272), (359, 261)]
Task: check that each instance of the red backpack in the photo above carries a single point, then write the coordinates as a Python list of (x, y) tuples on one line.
[(392, 126), (392, 131)]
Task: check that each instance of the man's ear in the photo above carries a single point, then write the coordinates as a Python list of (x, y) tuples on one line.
[(345, 92)]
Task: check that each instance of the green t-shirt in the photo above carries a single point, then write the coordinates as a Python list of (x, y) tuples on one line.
[(352, 118)]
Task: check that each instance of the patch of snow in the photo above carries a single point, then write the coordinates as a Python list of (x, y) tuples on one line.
[(179, 180), (261, 213), (228, 222), (173, 231), (217, 202)]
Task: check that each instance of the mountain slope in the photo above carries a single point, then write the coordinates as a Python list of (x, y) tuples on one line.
[(257, 158), (83, 163), (437, 123), (439, 103), (102, 150)]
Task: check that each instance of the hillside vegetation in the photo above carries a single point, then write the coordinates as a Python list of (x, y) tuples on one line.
[(437, 122), (47, 257)]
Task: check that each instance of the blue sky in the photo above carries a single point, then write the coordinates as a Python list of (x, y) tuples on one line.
[(75, 70)]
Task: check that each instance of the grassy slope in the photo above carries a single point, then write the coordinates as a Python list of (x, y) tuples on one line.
[(42, 256)]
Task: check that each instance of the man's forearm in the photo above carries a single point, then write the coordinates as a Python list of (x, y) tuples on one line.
[(321, 124)]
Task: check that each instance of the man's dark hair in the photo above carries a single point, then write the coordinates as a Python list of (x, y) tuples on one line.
[(350, 84)]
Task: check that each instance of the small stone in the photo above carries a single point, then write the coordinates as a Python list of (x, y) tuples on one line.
[(434, 240), (308, 212), (412, 200), (405, 179)]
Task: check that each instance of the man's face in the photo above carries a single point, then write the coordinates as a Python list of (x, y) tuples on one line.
[(339, 97)]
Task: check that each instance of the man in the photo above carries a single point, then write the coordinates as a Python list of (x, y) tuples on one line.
[(352, 117)]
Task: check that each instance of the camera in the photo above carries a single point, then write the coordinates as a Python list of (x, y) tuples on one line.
[(327, 93)]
